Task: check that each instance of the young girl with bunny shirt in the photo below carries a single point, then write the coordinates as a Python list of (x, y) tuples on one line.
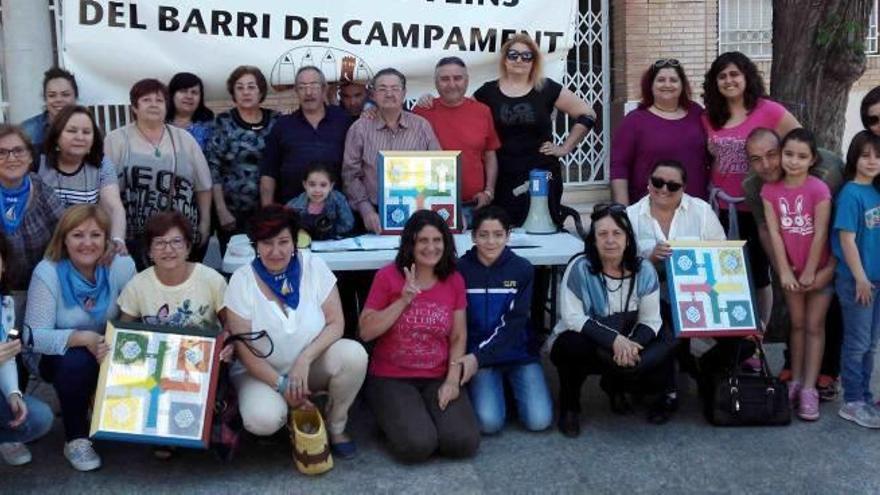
[(798, 211)]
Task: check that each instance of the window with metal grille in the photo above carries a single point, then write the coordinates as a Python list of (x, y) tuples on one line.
[(746, 26), (871, 45)]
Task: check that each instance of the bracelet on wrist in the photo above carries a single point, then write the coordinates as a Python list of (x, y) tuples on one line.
[(15, 392), (490, 193), (281, 383)]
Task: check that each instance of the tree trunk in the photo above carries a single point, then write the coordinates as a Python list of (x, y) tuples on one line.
[(818, 53)]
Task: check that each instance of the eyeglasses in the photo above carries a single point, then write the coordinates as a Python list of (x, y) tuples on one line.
[(671, 186), (17, 152), (177, 243), (666, 62), (514, 55), (309, 85), (248, 338), (872, 121), (389, 89), (602, 209)]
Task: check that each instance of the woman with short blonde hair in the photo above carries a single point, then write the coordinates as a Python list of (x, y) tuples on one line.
[(70, 299)]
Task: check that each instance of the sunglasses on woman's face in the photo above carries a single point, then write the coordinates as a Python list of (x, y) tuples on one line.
[(671, 186), (666, 62), (873, 120), (513, 55), (601, 209)]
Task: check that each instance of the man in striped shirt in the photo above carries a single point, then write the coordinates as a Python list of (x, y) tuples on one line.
[(391, 129)]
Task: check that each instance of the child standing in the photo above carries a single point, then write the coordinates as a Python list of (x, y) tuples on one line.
[(856, 242), (798, 211), (324, 211)]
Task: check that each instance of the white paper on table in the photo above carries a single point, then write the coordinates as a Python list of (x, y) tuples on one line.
[(360, 243)]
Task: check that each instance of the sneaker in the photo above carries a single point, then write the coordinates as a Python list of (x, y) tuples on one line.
[(828, 388), (81, 455), (808, 409), (785, 375), (794, 393), (860, 414), (15, 453)]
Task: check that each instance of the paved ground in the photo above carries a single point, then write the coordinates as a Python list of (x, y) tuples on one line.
[(614, 455)]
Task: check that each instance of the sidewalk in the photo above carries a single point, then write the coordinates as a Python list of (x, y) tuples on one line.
[(615, 454)]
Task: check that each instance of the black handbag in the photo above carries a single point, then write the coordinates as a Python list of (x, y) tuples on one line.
[(742, 398)]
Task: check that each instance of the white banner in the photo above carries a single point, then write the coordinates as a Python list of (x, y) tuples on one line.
[(109, 45)]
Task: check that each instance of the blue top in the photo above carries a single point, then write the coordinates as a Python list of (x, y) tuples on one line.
[(858, 210), (36, 128), (52, 322), (499, 298), (338, 215), (294, 143), (202, 132)]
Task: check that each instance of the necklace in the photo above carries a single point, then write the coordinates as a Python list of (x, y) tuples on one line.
[(663, 110), (156, 152), (607, 287)]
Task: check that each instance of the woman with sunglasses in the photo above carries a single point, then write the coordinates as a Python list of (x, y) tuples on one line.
[(643, 137), (610, 321), (70, 299), (869, 110), (522, 101), (285, 316), (668, 213)]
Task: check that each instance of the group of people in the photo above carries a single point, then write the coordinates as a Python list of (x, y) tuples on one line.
[(742, 167), (99, 228), (102, 229)]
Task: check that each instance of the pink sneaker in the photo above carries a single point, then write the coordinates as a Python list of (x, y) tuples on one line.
[(809, 404), (794, 393)]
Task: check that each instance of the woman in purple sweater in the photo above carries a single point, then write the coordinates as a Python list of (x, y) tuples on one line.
[(665, 126)]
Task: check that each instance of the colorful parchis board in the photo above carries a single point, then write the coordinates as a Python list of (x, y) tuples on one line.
[(156, 385), (710, 289), (418, 180)]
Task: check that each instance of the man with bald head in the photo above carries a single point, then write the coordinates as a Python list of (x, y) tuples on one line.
[(765, 161)]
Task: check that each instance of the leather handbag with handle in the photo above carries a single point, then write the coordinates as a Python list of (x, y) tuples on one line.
[(744, 398)]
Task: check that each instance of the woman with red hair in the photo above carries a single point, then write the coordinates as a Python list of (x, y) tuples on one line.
[(285, 315), (643, 138)]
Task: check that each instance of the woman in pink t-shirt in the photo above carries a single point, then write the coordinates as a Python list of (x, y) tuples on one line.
[(798, 211), (736, 102), (416, 314)]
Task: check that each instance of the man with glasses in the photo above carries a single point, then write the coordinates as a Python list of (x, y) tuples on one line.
[(392, 129), (464, 124), (313, 133), (764, 155)]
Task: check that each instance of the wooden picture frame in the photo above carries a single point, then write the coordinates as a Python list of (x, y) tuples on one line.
[(711, 292), (156, 385), (418, 180)]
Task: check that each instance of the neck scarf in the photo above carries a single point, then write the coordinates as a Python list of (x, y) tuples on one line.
[(285, 285), (76, 290), (13, 202)]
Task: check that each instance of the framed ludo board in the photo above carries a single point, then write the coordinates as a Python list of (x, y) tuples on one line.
[(710, 289), (156, 385), (418, 180)]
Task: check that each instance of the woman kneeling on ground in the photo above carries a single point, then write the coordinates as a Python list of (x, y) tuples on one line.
[(416, 313)]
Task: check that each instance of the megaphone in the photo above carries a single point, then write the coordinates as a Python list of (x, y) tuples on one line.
[(538, 221)]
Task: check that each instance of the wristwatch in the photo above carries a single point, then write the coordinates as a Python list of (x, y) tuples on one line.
[(488, 192)]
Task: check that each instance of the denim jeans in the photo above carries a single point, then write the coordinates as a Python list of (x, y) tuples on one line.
[(38, 422), (534, 406), (74, 376), (861, 329)]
